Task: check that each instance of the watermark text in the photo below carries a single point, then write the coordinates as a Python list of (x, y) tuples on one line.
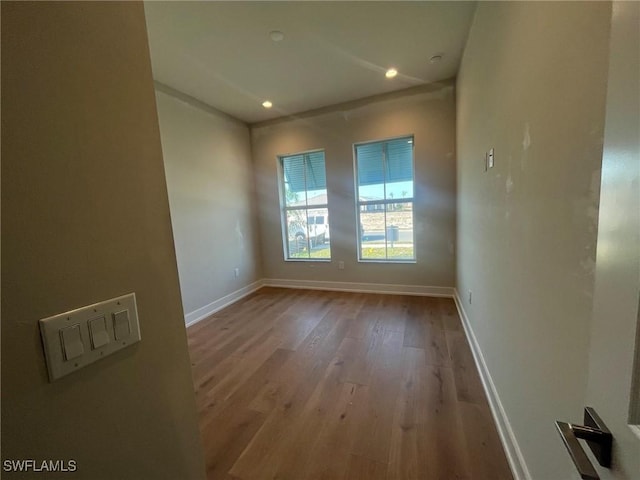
[(31, 465)]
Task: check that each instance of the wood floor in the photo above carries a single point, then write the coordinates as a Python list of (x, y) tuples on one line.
[(303, 384)]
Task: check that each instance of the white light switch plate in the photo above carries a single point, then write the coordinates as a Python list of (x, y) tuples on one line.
[(50, 330)]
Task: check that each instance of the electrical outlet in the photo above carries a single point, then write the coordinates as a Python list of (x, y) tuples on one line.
[(470, 296), (340, 265), (236, 272)]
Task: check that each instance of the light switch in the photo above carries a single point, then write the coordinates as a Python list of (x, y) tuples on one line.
[(77, 338), (98, 332), (71, 342), (121, 326)]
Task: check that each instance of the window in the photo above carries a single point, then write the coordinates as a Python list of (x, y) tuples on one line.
[(305, 216), (384, 183)]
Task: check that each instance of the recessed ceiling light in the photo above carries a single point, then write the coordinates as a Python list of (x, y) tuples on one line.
[(276, 35), (267, 104), (392, 72), (435, 58)]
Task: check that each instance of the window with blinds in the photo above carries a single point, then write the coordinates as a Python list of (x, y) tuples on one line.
[(305, 213), (384, 186)]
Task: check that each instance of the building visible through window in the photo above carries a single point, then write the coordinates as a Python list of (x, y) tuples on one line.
[(384, 185), (305, 214)]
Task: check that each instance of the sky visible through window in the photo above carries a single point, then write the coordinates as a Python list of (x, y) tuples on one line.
[(395, 191)]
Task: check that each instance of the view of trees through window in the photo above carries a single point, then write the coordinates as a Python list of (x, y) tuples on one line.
[(385, 200), (305, 214)]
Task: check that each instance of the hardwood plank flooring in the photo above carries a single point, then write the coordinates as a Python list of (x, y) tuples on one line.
[(304, 384)]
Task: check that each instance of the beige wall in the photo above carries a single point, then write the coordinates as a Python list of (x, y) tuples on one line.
[(430, 117), (532, 85), (85, 217), (207, 158)]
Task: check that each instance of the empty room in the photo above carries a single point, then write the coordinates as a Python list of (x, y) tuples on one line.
[(320, 240)]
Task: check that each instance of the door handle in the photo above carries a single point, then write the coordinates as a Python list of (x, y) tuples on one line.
[(597, 436)]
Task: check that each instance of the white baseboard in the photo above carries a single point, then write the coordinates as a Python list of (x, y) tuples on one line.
[(361, 287), (508, 438), (203, 312)]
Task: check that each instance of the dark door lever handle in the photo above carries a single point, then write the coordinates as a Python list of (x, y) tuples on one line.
[(598, 438)]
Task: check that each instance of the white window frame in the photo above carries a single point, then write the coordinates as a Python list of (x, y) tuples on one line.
[(384, 201), (284, 209)]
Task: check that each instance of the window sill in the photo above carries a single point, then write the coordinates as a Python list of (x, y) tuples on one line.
[(364, 260), (314, 260)]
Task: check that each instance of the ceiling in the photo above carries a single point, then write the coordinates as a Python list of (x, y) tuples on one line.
[(221, 53)]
